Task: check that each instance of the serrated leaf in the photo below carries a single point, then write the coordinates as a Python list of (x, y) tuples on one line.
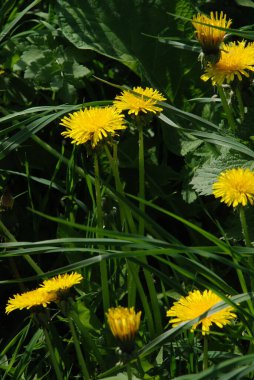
[(206, 175), (188, 146), (79, 71)]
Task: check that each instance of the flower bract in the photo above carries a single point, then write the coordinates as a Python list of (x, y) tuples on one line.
[(92, 124), (139, 100), (235, 186), (27, 300), (124, 324), (194, 305), (62, 282), (236, 61), (209, 36)]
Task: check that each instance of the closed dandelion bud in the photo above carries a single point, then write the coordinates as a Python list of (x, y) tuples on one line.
[(209, 36), (124, 324)]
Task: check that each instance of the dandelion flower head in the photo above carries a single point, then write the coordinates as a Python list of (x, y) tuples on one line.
[(92, 124), (27, 300), (194, 305), (235, 186), (139, 100), (62, 282), (123, 322), (237, 59), (209, 36)]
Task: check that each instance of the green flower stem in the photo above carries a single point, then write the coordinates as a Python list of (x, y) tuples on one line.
[(148, 275), (89, 342), (235, 260), (240, 102), (79, 353), (129, 371), (205, 352), (243, 285), (11, 238), (244, 225), (125, 213), (227, 109), (141, 167), (52, 354), (246, 236), (103, 263)]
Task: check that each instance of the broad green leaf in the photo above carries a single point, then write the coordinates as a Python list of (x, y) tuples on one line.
[(120, 30)]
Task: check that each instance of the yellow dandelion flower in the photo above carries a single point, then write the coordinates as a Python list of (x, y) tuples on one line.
[(194, 305), (33, 298), (124, 324), (143, 100), (92, 124), (237, 59), (62, 282), (209, 36), (235, 186)]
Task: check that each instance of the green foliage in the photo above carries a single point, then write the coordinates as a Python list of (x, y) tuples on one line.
[(147, 229), (207, 174), (51, 68)]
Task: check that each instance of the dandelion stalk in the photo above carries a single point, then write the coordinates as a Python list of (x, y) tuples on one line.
[(129, 371), (124, 213), (52, 354), (148, 275), (227, 109), (205, 352), (244, 225), (240, 102), (103, 264), (86, 339), (246, 236), (141, 167), (124, 210), (79, 353)]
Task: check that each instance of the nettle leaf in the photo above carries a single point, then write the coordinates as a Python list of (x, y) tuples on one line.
[(190, 145), (52, 69), (205, 176)]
